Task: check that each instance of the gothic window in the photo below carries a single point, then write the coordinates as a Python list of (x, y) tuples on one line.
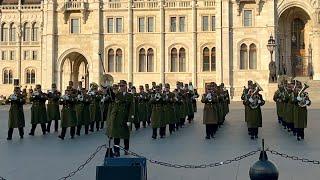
[(34, 32), (75, 26), (182, 60), (118, 60), (174, 56), (7, 76), (12, 33), (243, 56), (206, 59), (26, 32), (30, 76), (111, 60), (142, 60), (4, 32), (150, 57), (253, 57), (213, 59)]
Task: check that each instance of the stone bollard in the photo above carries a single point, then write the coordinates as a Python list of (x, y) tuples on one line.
[(263, 169)]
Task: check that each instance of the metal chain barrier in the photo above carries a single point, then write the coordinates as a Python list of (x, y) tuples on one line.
[(1, 178), (72, 173), (295, 158), (190, 166)]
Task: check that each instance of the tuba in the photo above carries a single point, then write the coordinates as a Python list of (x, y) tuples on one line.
[(255, 98), (107, 81), (302, 96)]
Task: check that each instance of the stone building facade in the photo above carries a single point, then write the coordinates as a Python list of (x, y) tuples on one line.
[(195, 41)]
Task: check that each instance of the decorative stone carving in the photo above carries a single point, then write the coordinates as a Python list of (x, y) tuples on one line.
[(241, 3)]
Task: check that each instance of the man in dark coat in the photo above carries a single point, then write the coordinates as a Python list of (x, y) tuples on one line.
[(142, 104), (68, 113), (16, 115), (254, 121), (120, 113), (82, 111), (210, 111), (38, 110), (53, 107), (157, 120)]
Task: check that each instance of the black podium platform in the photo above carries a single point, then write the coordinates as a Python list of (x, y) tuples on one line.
[(122, 168)]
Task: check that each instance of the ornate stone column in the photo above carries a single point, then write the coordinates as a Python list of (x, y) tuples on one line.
[(130, 41), (194, 42), (162, 42)]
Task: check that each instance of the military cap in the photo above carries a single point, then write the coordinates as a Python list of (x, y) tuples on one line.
[(167, 85), (38, 86), (123, 82), (140, 87)]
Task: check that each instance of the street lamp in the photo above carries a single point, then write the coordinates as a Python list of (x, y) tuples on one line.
[(271, 45), (272, 65)]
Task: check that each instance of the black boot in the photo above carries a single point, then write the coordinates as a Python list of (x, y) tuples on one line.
[(72, 131), (43, 128), (92, 126), (56, 125), (86, 129), (21, 132), (78, 130), (10, 132), (33, 128), (63, 133), (48, 126)]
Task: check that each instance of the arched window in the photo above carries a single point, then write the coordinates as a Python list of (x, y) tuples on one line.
[(182, 60), (26, 32), (243, 57), (111, 60), (4, 32), (12, 33), (150, 60), (253, 57), (118, 60), (174, 61), (213, 59), (34, 32), (206, 59), (30, 76), (7, 76), (142, 60)]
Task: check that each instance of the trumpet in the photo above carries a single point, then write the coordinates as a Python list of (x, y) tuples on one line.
[(302, 97), (209, 97), (13, 97)]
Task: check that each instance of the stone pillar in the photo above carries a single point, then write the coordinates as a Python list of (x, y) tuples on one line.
[(49, 56), (162, 42), (19, 29), (315, 55), (219, 38), (194, 42), (130, 41), (223, 42), (95, 66)]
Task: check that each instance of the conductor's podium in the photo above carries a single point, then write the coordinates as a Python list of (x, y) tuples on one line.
[(122, 168)]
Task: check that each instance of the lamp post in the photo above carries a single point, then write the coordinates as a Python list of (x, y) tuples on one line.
[(272, 66)]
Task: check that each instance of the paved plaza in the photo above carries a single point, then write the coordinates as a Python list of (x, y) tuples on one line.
[(48, 158)]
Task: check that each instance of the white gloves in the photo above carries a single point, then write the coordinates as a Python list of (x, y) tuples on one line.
[(128, 124), (250, 100), (299, 98)]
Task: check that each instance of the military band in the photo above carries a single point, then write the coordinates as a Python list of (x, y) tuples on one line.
[(292, 101), (122, 107)]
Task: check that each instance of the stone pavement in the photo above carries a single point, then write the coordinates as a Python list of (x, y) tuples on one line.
[(47, 157)]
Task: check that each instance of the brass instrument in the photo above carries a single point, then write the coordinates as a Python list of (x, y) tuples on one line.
[(254, 98), (209, 97), (302, 97), (13, 97), (157, 96)]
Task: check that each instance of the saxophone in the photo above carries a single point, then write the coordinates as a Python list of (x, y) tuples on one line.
[(302, 98)]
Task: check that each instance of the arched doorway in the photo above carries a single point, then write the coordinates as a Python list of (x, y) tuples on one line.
[(295, 43), (74, 67)]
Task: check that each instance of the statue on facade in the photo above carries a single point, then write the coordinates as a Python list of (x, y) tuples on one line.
[(272, 72)]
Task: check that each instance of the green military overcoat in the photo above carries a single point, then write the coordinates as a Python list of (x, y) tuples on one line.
[(16, 115), (68, 113), (255, 116), (168, 108), (210, 110), (38, 109), (82, 111), (53, 106), (157, 119), (95, 109), (119, 116)]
